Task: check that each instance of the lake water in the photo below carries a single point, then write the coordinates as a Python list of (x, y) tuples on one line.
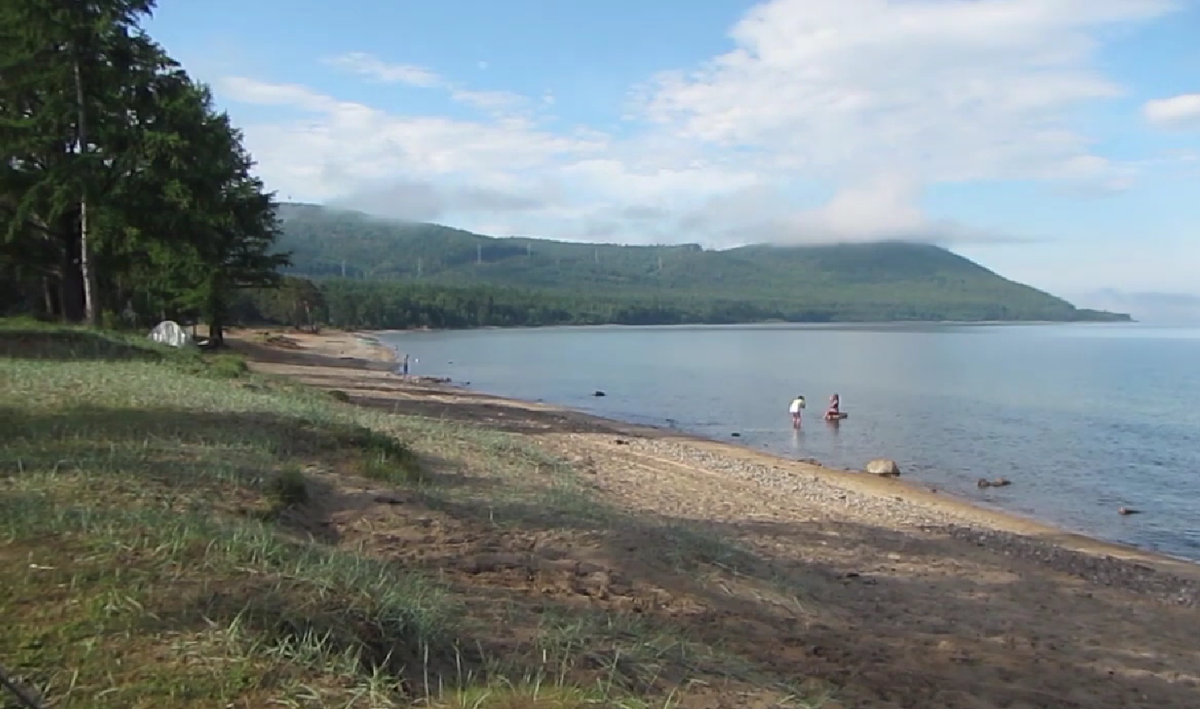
[(1084, 419)]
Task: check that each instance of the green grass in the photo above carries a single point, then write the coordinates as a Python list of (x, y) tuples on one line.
[(143, 564), (288, 489), (160, 546)]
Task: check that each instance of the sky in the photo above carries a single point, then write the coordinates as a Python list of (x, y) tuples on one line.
[(1056, 142)]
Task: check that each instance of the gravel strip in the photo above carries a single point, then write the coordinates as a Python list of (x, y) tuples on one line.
[(1105, 571)]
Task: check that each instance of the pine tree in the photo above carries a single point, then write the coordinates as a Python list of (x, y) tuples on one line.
[(70, 77), (219, 221)]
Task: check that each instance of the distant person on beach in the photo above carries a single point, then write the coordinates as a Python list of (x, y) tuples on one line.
[(834, 413), (794, 410), (404, 366)]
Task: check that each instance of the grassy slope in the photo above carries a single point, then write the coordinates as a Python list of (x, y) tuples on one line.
[(849, 277), (160, 546)]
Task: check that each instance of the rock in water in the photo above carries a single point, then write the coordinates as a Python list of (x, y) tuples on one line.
[(998, 482), (883, 466), (169, 332)]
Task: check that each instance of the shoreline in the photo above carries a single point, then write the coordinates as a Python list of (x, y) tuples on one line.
[(766, 579), (761, 323), (915, 492), (901, 504)]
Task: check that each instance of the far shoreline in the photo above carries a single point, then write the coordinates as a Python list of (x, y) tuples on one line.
[(762, 323), (970, 511)]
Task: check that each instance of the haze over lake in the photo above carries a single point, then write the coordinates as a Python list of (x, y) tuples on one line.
[(1084, 419)]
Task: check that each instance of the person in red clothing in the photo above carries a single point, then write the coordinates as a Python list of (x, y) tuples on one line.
[(834, 413)]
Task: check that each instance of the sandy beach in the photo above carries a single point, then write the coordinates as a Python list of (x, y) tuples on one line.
[(890, 593)]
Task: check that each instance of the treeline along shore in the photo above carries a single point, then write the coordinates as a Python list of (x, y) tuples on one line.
[(401, 305)]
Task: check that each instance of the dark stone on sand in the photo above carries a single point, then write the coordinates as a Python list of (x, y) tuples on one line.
[(998, 482)]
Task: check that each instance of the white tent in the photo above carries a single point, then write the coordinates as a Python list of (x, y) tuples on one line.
[(169, 332)]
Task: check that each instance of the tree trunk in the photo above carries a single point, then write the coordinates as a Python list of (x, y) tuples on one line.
[(90, 309), (70, 289), (216, 332), (48, 296), (216, 312)]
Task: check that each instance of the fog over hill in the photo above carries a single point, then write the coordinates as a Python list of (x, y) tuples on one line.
[(890, 280)]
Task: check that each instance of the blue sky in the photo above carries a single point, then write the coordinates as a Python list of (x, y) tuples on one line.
[(1055, 141)]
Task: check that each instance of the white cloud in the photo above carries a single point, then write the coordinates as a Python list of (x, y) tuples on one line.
[(1181, 111), (371, 67), (244, 90), (879, 208), (350, 147), (375, 69), (878, 99), (944, 91), (488, 100)]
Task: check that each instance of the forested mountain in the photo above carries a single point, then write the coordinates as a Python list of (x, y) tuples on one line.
[(597, 282)]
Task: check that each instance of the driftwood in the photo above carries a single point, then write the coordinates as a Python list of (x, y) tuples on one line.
[(22, 695)]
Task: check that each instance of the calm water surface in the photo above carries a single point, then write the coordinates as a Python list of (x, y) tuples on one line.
[(1083, 419)]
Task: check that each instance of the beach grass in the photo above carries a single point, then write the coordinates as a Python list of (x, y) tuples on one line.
[(161, 546)]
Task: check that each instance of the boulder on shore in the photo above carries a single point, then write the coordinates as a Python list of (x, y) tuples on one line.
[(884, 467)]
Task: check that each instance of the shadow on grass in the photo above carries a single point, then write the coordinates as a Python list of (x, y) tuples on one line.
[(162, 440), (891, 622), (71, 344), (494, 412), (325, 623), (180, 588)]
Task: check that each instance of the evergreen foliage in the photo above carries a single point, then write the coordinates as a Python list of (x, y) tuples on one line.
[(123, 193)]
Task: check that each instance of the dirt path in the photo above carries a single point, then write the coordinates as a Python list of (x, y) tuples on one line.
[(896, 596)]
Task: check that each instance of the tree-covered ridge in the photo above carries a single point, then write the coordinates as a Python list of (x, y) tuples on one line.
[(395, 261), (124, 194)]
